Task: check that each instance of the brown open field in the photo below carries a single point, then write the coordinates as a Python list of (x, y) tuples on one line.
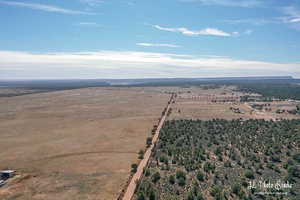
[(9, 92), (188, 106), (76, 144)]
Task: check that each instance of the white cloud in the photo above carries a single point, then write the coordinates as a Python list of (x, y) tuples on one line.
[(90, 24), (293, 14), (157, 45), (87, 23), (185, 31), (295, 20), (248, 32), (237, 3), (131, 64), (46, 8)]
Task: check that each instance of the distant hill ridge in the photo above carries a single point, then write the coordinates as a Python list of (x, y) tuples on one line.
[(81, 83)]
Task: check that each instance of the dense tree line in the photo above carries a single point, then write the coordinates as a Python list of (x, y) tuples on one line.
[(219, 158), (281, 91)]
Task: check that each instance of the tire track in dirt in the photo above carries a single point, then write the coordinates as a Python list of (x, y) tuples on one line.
[(85, 153)]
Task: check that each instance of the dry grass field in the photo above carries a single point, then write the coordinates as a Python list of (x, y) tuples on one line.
[(188, 106), (75, 144), (9, 92)]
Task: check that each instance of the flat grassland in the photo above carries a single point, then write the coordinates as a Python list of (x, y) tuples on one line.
[(75, 144), (196, 103)]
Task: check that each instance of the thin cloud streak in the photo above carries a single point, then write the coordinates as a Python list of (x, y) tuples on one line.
[(157, 45), (89, 24), (293, 14), (92, 3), (46, 8), (233, 3), (185, 31), (253, 21)]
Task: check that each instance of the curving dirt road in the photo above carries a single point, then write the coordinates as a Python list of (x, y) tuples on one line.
[(132, 185)]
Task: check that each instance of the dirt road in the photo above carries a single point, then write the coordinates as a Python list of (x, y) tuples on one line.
[(132, 185)]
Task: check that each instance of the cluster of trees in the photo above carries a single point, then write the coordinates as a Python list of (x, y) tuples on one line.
[(270, 90), (293, 112), (261, 106), (248, 98), (194, 158)]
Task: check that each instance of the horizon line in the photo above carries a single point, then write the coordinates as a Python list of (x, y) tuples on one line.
[(151, 78)]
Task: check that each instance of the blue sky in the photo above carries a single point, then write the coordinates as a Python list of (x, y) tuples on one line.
[(137, 39)]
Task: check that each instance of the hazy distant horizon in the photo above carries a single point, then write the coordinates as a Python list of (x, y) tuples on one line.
[(161, 78)]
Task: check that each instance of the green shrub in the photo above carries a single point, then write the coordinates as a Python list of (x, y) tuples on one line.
[(134, 168), (147, 172), (200, 176), (155, 177), (152, 195), (172, 179), (180, 174), (149, 141), (181, 181), (236, 188), (249, 174), (209, 167), (296, 157), (141, 154), (141, 196), (294, 171), (216, 191), (227, 164)]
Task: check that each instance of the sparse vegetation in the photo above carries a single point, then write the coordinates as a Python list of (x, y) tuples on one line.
[(134, 168), (295, 111)]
